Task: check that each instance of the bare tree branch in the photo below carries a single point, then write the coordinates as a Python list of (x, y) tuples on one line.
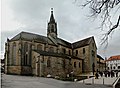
[(104, 8)]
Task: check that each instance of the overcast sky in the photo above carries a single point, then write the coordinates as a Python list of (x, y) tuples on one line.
[(72, 20)]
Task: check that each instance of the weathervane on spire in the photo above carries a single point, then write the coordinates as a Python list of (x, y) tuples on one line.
[(52, 10)]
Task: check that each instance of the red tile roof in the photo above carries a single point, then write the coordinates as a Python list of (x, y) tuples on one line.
[(114, 58)]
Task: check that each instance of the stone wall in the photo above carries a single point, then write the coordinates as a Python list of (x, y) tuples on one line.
[(13, 70), (78, 69), (58, 66)]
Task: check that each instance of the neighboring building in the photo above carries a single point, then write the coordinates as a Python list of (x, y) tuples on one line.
[(113, 63), (100, 63), (29, 53), (2, 64)]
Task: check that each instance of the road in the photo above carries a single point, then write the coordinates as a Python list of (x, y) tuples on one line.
[(16, 81)]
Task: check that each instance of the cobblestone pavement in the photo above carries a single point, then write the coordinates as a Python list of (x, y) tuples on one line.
[(15, 81)]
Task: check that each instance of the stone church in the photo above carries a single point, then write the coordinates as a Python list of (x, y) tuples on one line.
[(33, 54)]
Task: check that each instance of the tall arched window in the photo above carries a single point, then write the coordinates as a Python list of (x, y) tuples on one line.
[(79, 65), (26, 61), (63, 63), (63, 50), (51, 49), (76, 52), (74, 64), (14, 54), (26, 46), (52, 28), (48, 62), (83, 50)]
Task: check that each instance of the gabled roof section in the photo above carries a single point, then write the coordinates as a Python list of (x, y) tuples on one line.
[(98, 56), (45, 53), (29, 36), (58, 41), (82, 43), (64, 43), (54, 40)]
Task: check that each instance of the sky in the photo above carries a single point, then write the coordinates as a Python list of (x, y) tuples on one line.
[(73, 22)]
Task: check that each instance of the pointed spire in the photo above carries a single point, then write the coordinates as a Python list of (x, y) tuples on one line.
[(52, 20)]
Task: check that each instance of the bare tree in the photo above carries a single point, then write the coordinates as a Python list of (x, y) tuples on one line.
[(106, 9)]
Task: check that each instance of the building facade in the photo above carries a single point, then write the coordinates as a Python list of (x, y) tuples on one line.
[(100, 63), (113, 63), (33, 54)]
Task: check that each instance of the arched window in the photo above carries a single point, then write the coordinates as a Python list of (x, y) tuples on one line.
[(26, 46), (63, 50), (63, 65), (75, 64), (76, 52), (52, 28), (83, 50), (14, 54), (48, 62), (69, 52), (26, 60), (79, 64), (39, 47), (93, 53), (114, 67), (51, 49), (93, 45)]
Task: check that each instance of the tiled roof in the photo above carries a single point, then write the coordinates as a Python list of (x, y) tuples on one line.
[(117, 57), (45, 53), (82, 43), (31, 36), (43, 39)]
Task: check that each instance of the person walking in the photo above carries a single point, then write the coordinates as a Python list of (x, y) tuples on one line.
[(108, 73), (116, 73), (105, 73), (96, 75)]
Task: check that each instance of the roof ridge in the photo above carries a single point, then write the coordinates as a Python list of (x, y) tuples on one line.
[(32, 33), (83, 39)]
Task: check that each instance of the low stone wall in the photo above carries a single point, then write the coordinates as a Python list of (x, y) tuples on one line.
[(26, 70)]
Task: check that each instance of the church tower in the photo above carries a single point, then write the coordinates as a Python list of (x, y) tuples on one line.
[(52, 26)]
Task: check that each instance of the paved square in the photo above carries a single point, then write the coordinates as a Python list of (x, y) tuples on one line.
[(15, 81)]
